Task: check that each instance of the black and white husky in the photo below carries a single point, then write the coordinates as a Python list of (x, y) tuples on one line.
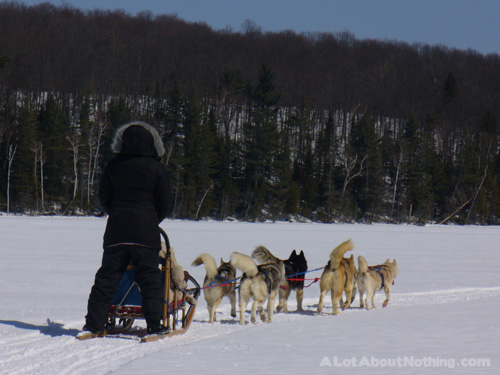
[(259, 282), (295, 269), (219, 282)]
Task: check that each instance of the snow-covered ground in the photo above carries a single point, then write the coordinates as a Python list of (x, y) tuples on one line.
[(443, 316)]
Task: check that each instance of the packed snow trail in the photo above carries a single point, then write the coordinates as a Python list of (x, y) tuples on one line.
[(53, 349)]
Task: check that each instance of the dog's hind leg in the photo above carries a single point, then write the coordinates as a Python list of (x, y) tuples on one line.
[(257, 305), (300, 297), (243, 307), (232, 299), (353, 294), (348, 298), (244, 298), (270, 306), (216, 306), (211, 313), (372, 294), (262, 313), (283, 300), (387, 291), (335, 301), (361, 301), (321, 299)]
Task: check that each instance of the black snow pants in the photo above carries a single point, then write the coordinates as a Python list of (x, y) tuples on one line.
[(147, 274)]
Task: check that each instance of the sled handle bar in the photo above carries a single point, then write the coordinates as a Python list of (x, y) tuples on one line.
[(165, 238)]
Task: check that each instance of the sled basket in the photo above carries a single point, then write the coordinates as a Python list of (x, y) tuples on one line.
[(126, 305)]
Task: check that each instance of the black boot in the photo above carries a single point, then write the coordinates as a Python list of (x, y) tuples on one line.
[(86, 328), (158, 330)]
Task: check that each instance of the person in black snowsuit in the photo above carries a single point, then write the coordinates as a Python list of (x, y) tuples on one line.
[(135, 191)]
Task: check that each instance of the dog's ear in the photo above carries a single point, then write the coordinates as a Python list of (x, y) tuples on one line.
[(221, 261), (293, 254)]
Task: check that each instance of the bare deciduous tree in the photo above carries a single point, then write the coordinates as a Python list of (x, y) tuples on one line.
[(10, 159), (350, 164)]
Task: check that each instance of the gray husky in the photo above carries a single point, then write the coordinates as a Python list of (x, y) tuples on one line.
[(259, 282)]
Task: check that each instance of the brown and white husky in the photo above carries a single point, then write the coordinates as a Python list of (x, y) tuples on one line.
[(219, 282), (337, 277)]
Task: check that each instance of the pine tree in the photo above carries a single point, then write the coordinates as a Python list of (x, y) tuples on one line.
[(287, 191), (209, 163), (198, 158), (416, 179), (4, 59), (231, 90), (86, 128), (57, 165), (368, 190), (326, 159), (260, 141), (173, 117), (23, 180), (173, 139), (450, 88), (304, 167), (119, 113)]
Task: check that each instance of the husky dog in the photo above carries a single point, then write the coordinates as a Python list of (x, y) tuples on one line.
[(295, 268), (338, 276), (219, 283), (373, 278), (177, 275), (350, 286), (259, 282)]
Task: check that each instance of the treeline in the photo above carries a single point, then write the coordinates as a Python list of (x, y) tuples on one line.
[(257, 126)]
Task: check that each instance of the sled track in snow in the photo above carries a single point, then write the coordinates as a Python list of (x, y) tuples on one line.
[(45, 353), (443, 296), (56, 351)]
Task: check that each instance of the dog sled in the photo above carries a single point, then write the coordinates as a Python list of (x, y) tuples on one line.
[(179, 299)]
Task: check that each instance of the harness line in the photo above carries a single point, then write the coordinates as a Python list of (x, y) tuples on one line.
[(211, 285), (290, 278)]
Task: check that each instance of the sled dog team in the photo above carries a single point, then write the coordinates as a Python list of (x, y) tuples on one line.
[(268, 277)]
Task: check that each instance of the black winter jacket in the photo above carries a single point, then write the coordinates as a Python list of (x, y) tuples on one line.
[(134, 188)]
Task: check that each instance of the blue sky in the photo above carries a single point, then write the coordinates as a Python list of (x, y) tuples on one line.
[(461, 24)]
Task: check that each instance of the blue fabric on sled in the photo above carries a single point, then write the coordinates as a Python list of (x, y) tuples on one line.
[(134, 298)]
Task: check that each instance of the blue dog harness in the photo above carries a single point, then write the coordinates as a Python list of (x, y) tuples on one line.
[(381, 276), (378, 268)]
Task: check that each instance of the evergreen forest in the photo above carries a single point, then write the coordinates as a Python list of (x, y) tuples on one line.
[(257, 125)]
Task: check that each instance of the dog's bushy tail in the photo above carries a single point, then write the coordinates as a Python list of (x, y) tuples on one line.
[(244, 263), (338, 253), (210, 265), (362, 264), (264, 256)]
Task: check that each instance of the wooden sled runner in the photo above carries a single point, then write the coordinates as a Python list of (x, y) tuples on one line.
[(179, 303)]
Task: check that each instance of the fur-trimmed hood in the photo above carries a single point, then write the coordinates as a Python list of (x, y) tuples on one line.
[(138, 138)]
